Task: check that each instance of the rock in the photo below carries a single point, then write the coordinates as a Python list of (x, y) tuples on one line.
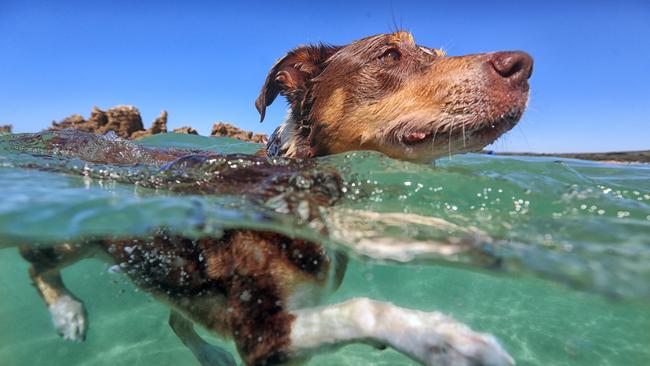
[(98, 119), (221, 129), (186, 130), (74, 121), (123, 120), (126, 122), (260, 138), (5, 128), (159, 125)]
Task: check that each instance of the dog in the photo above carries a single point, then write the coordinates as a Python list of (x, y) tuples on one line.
[(262, 289)]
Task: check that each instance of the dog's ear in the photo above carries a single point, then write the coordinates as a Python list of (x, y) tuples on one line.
[(289, 76)]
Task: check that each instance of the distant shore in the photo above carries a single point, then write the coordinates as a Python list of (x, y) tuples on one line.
[(640, 156)]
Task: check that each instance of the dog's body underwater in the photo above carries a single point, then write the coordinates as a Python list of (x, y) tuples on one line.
[(260, 288)]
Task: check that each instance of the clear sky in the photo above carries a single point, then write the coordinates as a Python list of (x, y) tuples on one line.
[(205, 61)]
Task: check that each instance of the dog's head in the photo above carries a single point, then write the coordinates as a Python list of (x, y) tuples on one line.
[(389, 94)]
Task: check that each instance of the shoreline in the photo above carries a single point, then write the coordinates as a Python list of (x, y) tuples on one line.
[(616, 157)]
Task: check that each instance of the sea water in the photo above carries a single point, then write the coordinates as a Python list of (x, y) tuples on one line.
[(552, 256)]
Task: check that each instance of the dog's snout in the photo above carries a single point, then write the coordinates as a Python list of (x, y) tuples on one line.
[(515, 66)]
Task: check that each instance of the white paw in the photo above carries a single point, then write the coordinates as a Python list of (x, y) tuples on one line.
[(69, 318), (450, 343)]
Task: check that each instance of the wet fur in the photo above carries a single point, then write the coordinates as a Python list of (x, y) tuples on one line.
[(357, 98), (260, 287)]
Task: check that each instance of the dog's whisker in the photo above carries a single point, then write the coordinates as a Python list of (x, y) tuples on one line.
[(464, 141), (451, 131), (433, 140)]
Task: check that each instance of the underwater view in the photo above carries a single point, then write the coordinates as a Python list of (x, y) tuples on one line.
[(550, 255)]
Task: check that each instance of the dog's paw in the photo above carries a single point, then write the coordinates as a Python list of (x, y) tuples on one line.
[(69, 318), (454, 344)]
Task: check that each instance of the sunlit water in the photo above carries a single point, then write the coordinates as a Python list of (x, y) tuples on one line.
[(553, 255)]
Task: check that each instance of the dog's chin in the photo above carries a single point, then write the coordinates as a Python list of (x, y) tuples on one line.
[(460, 134)]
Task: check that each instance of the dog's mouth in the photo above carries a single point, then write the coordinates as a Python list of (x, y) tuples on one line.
[(471, 133), (414, 138)]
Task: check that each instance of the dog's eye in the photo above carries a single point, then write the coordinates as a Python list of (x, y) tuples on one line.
[(390, 56)]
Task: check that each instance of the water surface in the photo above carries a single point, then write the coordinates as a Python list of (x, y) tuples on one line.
[(550, 255)]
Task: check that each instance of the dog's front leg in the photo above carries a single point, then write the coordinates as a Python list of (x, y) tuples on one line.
[(205, 353), (68, 313), (430, 338)]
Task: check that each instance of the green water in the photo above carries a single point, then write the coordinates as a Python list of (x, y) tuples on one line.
[(556, 258)]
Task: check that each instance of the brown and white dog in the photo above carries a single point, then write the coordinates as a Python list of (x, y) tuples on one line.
[(383, 93)]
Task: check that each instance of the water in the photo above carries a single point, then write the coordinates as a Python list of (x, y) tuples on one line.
[(550, 255)]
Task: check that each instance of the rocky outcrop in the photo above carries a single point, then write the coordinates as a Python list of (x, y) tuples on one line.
[(5, 128), (123, 120), (221, 129), (98, 119), (159, 125), (186, 130), (74, 121), (126, 122)]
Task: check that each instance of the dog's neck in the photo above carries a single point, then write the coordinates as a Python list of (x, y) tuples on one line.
[(290, 140)]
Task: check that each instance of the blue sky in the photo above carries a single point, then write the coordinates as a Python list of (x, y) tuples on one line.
[(206, 61)]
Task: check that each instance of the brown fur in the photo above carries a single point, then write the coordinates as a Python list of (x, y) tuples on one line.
[(360, 97), (236, 286), (252, 270), (383, 93)]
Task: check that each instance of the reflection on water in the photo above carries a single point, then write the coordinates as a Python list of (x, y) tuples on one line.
[(493, 241)]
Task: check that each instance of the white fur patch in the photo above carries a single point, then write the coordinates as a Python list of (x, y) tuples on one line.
[(430, 338), (284, 140), (352, 227), (69, 318)]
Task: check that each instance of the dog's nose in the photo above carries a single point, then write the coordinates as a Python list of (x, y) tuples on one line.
[(516, 66)]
